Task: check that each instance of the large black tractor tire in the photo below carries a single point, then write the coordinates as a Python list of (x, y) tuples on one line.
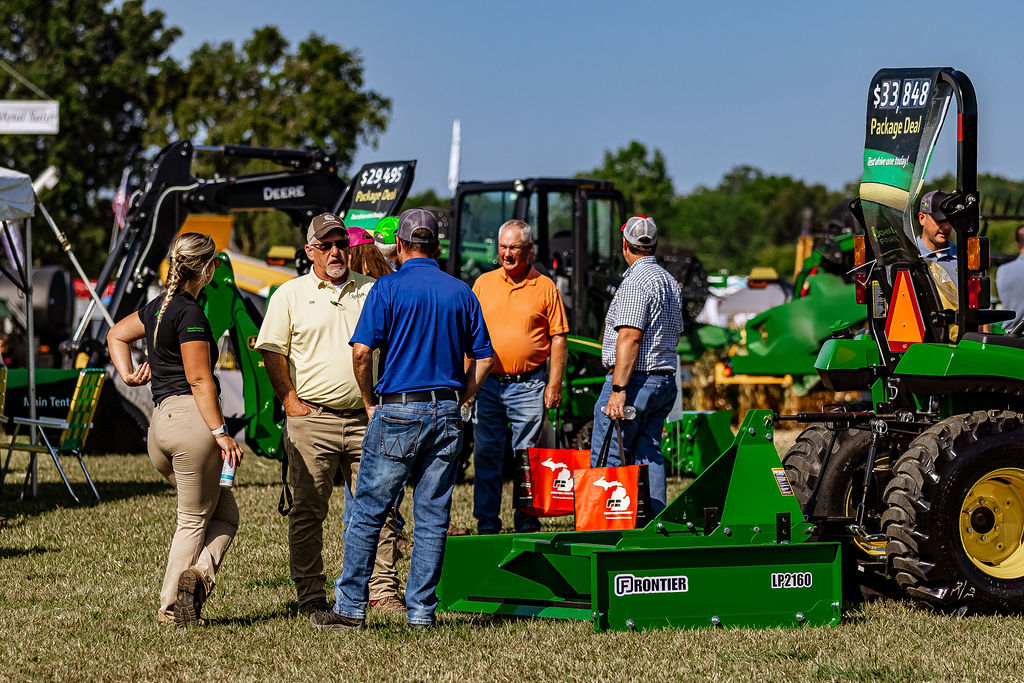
[(845, 468), (839, 495), (956, 514)]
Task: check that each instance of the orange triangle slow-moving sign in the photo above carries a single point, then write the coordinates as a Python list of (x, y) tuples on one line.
[(904, 325)]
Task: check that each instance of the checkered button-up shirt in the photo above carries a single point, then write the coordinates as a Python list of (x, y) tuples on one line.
[(649, 300)]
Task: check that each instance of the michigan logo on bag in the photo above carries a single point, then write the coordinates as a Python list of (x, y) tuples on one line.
[(562, 483), (618, 498)]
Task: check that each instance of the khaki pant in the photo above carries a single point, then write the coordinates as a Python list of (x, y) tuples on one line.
[(317, 445), (183, 450)]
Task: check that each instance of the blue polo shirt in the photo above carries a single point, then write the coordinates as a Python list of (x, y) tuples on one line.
[(424, 322)]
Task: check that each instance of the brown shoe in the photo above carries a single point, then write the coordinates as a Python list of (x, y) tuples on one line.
[(191, 596), (320, 605), (391, 603), (457, 530), (332, 621)]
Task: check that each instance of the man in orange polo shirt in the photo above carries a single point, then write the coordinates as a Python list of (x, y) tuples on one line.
[(527, 323)]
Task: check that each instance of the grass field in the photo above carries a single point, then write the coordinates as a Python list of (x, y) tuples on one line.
[(78, 596)]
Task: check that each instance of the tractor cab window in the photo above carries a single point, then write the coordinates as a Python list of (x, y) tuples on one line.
[(603, 245), (550, 215), (482, 213)]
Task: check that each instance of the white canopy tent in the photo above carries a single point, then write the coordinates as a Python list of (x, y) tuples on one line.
[(18, 203), (17, 199)]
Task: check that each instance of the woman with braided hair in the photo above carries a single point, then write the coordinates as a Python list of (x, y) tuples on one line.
[(188, 439)]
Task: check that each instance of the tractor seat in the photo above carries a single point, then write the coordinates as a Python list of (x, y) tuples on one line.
[(1011, 340)]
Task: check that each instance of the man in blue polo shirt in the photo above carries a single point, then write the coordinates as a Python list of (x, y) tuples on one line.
[(424, 323)]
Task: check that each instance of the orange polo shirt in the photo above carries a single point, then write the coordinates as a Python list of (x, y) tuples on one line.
[(521, 318)]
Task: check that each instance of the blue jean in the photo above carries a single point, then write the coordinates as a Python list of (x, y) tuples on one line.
[(653, 397), (498, 404), (419, 443)]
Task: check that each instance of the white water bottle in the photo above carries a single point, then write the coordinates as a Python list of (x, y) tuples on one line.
[(628, 412), (227, 475)]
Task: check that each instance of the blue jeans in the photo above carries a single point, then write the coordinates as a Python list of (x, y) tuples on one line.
[(652, 396), (497, 404), (418, 442)]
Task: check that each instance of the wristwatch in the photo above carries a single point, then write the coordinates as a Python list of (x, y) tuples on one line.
[(618, 387), (223, 429)]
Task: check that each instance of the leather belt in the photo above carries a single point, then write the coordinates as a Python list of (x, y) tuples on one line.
[(340, 412), (420, 396), (521, 377), (646, 372)]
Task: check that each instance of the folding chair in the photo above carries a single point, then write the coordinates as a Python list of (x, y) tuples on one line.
[(73, 431)]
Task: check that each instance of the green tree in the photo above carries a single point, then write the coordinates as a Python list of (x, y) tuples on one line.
[(104, 66), (641, 177), (426, 198), (751, 219), (268, 95)]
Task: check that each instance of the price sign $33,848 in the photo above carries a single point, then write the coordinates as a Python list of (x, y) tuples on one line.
[(911, 93)]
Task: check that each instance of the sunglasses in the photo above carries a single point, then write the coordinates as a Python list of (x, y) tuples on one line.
[(327, 246)]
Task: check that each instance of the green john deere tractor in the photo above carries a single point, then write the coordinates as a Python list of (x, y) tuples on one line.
[(925, 482)]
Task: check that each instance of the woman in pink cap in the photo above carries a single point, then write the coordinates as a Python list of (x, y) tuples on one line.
[(364, 256)]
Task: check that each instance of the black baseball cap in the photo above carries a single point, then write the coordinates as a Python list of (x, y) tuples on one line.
[(930, 204)]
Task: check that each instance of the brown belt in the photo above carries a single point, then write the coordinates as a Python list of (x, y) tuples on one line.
[(340, 412)]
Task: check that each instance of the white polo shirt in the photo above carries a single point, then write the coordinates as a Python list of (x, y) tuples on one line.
[(311, 321)]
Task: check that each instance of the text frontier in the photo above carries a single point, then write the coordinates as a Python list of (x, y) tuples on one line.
[(628, 584)]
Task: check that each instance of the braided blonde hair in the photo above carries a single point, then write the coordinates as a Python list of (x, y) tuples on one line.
[(190, 253)]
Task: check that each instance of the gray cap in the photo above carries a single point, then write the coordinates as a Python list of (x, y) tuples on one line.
[(640, 231), (413, 220), (930, 204), (323, 224)]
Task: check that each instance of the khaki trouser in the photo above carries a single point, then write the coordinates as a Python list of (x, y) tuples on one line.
[(183, 450), (317, 445)]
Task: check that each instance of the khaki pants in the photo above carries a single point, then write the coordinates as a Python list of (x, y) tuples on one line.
[(183, 450), (317, 445)]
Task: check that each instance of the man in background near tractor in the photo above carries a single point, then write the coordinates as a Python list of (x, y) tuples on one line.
[(1010, 283), (385, 239), (935, 231), (526, 318), (641, 332), (308, 324)]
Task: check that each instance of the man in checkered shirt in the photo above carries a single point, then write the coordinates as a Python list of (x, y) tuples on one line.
[(641, 331)]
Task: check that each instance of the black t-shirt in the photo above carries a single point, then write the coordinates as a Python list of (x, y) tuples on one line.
[(183, 321)]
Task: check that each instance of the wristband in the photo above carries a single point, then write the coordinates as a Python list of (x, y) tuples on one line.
[(223, 429), (618, 387)]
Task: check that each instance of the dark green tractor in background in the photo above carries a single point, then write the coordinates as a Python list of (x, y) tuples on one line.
[(578, 244), (926, 480)]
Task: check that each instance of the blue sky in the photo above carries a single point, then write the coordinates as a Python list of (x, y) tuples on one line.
[(544, 88)]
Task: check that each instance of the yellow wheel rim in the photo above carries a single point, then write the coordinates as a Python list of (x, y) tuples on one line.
[(992, 523), (872, 548)]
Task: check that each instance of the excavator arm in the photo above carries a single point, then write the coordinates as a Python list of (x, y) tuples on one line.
[(307, 184)]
